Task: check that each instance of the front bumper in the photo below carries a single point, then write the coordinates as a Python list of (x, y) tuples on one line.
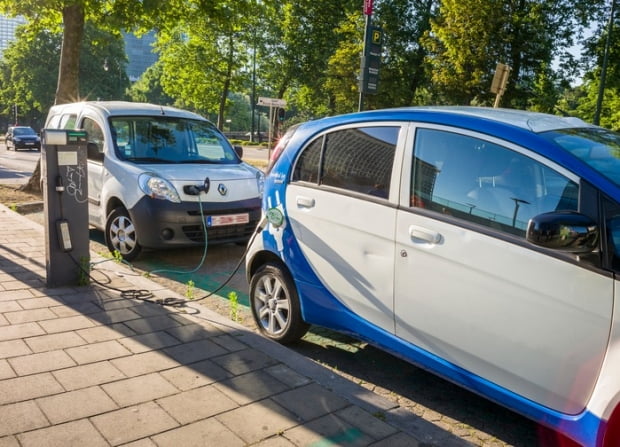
[(161, 224), (27, 144)]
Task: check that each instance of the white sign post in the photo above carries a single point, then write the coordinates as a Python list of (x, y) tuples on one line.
[(271, 103)]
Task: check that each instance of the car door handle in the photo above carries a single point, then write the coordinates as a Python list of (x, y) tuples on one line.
[(305, 202), (424, 234)]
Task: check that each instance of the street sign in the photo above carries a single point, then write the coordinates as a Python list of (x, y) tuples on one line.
[(271, 102), (368, 7)]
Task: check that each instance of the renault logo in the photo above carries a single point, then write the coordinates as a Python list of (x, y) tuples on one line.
[(222, 189)]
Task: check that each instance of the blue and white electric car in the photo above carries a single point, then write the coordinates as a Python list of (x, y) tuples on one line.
[(482, 244)]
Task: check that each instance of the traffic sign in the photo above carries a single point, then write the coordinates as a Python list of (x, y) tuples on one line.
[(271, 102)]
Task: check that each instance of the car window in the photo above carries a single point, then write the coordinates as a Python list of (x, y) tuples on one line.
[(95, 139), (145, 139), (485, 183), (356, 159)]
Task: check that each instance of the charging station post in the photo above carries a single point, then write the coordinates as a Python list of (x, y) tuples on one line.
[(65, 196)]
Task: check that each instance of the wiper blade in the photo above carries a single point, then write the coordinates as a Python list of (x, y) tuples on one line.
[(148, 160)]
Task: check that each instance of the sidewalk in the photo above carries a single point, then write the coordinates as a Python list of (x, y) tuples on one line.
[(84, 366)]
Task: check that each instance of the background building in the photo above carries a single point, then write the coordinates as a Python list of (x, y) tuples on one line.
[(7, 30)]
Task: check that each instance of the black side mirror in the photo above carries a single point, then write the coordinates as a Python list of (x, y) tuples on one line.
[(566, 231), (239, 151)]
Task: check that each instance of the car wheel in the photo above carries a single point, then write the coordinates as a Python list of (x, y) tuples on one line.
[(275, 304), (120, 234)]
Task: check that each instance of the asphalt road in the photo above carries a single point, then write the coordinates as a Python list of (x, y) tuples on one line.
[(445, 405)]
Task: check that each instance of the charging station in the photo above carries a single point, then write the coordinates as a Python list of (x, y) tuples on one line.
[(65, 194)]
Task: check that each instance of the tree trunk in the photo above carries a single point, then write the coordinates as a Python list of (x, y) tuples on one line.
[(67, 89)]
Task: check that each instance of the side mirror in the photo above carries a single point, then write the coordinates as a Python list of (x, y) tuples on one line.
[(239, 151), (565, 231)]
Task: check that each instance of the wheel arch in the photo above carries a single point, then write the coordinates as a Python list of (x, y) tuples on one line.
[(261, 258)]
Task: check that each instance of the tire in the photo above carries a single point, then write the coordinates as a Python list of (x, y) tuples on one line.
[(275, 304), (120, 234)]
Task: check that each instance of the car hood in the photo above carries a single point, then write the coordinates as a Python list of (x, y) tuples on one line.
[(190, 172)]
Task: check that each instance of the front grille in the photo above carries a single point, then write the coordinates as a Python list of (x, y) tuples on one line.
[(195, 233)]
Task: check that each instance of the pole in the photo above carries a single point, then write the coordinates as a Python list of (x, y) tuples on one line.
[(360, 105), (601, 87), (253, 85)]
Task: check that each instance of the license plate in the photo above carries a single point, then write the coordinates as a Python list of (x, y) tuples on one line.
[(228, 219), (29, 143)]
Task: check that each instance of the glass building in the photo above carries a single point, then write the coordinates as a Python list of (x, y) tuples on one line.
[(8, 25), (139, 50)]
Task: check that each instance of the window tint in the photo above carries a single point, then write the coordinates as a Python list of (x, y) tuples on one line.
[(485, 183), (95, 139), (358, 160)]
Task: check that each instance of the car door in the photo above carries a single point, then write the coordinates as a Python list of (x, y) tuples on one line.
[(341, 205), (96, 170), (471, 291)]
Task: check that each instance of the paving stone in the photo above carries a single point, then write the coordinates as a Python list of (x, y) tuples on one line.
[(149, 342), (19, 331), (195, 375), (192, 332), (139, 389), (75, 309), (9, 441), (96, 352), (258, 421), (10, 306), (280, 441), (229, 343), (398, 440), (369, 423), (146, 442), (65, 324), (35, 303), (41, 362), (52, 342), (328, 430), (6, 372), (77, 433), (114, 316), (21, 417), (12, 295), (251, 387), (132, 423), (13, 348), (208, 432), (105, 333), (196, 404), (146, 325), (85, 376), (194, 351), (75, 405), (242, 362), (286, 375), (144, 363), (311, 401), (28, 387), (27, 316)]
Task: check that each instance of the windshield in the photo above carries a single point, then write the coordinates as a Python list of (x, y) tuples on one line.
[(22, 131), (161, 139), (597, 147)]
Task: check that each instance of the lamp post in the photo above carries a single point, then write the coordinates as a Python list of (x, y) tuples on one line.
[(601, 86)]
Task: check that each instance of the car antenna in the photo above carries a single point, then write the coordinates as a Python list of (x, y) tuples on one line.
[(162, 110)]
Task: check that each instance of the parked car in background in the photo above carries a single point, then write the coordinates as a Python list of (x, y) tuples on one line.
[(162, 177), (22, 137), (481, 244)]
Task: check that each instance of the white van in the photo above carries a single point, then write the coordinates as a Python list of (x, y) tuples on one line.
[(161, 177)]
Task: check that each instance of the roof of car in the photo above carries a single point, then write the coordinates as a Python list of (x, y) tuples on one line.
[(531, 121), (119, 108)]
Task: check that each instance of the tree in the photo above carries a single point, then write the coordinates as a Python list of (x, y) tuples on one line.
[(71, 16), (469, 37)]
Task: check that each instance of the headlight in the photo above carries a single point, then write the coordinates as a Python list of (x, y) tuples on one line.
[(158, 188), (260, 182)]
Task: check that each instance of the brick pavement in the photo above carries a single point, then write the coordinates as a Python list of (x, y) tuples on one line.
[(84, 366)]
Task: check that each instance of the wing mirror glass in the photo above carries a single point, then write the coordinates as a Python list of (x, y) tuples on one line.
[(565, 231)]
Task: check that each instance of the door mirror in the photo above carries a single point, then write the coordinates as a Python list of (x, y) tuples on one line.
[(565, 231), (239, 151)]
